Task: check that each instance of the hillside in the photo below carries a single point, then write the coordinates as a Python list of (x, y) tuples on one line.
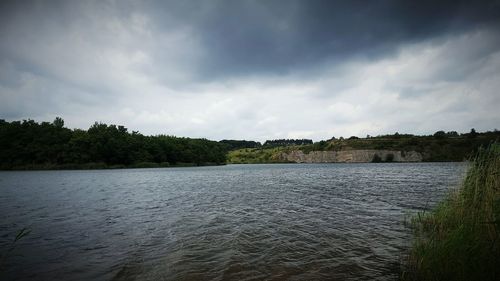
[(432, 148)]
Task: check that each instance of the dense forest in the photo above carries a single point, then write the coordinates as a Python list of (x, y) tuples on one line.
[(30, 145)]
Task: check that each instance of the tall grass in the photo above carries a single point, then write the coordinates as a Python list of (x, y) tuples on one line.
[(460, 239)]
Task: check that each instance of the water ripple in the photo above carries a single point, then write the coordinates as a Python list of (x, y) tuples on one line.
[(237, 222)]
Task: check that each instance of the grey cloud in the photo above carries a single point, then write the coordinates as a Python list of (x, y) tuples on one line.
[(241, 38), (277, 37), (253, 69)]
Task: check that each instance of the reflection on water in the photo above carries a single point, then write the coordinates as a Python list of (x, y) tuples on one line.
[(236, 222)]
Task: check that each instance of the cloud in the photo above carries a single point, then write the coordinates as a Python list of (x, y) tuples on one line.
[(253, 69), (276, 37)]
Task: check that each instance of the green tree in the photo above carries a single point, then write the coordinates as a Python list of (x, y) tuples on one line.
[(58, 122)]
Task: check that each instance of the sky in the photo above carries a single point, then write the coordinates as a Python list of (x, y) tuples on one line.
[(253, 70)]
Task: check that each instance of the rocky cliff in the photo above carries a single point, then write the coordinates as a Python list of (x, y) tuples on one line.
[(354, 156)]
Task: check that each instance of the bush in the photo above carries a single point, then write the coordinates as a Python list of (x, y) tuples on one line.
[(389, 157), (376, 159)]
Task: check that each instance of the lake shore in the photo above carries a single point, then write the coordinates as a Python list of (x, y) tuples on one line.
[(103, 166)]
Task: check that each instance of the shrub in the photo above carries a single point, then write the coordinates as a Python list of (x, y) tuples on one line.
[(389, 157), (376, 159)]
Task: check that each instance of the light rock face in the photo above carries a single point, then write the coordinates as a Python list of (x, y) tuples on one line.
[(350, 156)]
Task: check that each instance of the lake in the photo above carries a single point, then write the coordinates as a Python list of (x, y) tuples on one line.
[(234, 222)]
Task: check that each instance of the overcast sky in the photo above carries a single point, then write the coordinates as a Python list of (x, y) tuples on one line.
[(253, 70)]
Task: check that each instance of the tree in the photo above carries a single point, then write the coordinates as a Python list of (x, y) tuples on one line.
[(472, 133), (58, 122), (439, 134)]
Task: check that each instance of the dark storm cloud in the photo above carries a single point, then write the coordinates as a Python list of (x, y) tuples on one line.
[(250, 37), (279, 37)]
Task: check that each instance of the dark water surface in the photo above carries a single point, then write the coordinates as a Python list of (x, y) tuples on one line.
[(236, 222)]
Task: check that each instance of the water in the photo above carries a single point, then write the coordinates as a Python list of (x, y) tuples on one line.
[(235, 222)]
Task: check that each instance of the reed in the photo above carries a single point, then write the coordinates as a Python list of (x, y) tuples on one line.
[(460, 239)]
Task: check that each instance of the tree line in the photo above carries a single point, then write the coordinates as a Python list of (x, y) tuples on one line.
[(27, 144), (287, 142), (239, 144)]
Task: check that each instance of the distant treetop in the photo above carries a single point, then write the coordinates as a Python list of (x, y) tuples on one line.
[(287, 142), (239, 144)]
